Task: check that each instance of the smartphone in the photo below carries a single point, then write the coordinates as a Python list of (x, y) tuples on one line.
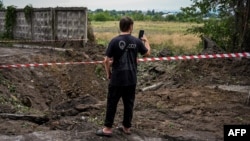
[(141, 32)]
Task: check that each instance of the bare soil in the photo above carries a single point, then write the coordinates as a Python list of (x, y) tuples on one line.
[(175, 100)]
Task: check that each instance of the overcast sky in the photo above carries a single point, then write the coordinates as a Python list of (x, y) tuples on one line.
[(168, 5)]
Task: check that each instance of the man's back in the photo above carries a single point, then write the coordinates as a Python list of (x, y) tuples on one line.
[(124, 50)]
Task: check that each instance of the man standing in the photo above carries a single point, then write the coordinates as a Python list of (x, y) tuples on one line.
[(123, 51)]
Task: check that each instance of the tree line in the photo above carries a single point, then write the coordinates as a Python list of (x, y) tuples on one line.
[(138, 15)]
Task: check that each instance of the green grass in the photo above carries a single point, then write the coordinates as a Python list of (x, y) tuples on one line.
[(160, 34)]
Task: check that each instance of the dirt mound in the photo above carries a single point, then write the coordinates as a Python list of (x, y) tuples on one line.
[(174, 100)]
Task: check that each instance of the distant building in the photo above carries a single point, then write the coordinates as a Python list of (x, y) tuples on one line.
[(167, 14)]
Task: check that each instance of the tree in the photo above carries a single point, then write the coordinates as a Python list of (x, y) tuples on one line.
[(99, 10), (10, 21), (137, 15), (1, 5), (170, 18), (102, 16), (231, 30)]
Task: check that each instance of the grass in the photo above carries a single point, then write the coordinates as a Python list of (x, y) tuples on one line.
[(160, 34)]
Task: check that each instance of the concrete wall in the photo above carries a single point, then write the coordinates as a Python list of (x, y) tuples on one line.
[(50, 24)]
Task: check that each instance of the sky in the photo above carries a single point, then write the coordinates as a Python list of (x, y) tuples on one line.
[(166, 5)]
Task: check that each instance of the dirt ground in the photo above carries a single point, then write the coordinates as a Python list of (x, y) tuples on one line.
[(175, 101)]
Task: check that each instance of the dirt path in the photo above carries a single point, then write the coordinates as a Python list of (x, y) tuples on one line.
[(188, 105)]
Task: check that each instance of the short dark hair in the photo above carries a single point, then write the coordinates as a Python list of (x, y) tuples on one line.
[(125, 23)]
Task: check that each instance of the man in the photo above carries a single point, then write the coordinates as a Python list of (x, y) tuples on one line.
[(122, 51)]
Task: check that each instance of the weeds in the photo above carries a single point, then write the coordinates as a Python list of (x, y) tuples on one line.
[(25, 125), (11, 87), (95, 120), (11, 98), (99, 70)]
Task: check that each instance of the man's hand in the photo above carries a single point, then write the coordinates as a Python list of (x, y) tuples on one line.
[(107, 67), (146, 43)]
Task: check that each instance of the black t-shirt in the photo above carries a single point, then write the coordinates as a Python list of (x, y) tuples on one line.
[(124, 50)]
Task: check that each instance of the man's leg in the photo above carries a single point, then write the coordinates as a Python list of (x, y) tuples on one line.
[(128, 97), (112, 101)]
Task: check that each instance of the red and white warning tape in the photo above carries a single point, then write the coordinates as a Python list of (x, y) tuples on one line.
[(47, 64), (230, 55)]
